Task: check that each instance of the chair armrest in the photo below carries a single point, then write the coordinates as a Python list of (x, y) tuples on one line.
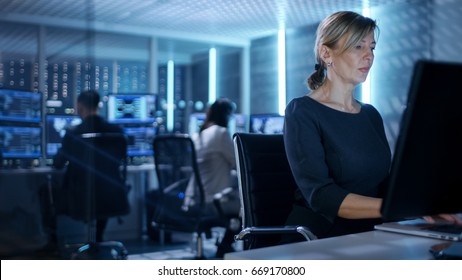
[(219, 197), (304, 231)]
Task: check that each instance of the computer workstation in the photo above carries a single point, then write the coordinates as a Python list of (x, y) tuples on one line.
[(28, 145), (424, 177)]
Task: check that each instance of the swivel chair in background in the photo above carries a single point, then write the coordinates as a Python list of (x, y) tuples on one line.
[(95, 180), (176, 164), (266, 187)]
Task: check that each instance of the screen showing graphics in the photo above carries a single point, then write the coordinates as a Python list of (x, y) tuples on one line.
[(266, 124), (140, 140), (131, 108), (238, 123), (56, 129), (22, 106), (18, 142), (196, 120)]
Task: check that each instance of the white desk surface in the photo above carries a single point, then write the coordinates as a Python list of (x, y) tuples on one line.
[(372, 245)]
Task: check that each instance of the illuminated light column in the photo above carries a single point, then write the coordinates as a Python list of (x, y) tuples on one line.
[(170, 91), (282, 70), (212, 75)]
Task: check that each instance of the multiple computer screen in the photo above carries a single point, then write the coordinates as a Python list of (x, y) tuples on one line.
[(20, 125), (135, 113), (237, 123), (22, 132)]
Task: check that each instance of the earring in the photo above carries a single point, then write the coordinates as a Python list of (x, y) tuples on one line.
[(329, 64)]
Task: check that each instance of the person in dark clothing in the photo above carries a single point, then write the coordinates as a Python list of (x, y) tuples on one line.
[(87, 109), (336, 145)]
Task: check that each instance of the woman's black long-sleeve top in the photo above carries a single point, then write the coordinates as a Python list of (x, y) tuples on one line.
[(331, 154)]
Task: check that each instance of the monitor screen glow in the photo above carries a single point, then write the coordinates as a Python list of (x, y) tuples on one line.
[(56, 126), (266, 123), (131, 108), (19, 142), (20, 106)]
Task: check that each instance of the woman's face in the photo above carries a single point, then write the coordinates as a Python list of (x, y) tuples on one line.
[(353, 65)]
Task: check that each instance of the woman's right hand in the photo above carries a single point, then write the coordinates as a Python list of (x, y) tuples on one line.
[(452, 218)]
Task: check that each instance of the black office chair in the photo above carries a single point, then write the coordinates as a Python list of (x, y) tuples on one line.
[(96, 189), (266, 187), (176, 164)]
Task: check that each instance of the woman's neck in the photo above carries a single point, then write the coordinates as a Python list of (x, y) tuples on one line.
[(336, 98)]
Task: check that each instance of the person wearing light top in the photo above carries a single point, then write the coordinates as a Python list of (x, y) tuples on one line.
[(217, 163)]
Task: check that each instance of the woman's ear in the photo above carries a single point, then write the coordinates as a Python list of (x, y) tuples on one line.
[(325, 54)]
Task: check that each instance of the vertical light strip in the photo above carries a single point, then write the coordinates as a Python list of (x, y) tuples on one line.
[(282, 70), (366, 86), (170, 91), (212, 75)]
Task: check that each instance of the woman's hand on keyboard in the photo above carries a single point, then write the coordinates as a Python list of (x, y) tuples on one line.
[(452, 218)]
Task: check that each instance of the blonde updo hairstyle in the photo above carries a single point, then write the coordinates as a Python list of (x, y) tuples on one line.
[(330, 31)]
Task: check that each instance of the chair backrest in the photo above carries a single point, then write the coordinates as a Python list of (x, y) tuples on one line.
[(176, 165), (96, 176), (266, 183)]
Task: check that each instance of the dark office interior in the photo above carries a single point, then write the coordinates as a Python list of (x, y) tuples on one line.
[(168, 59)]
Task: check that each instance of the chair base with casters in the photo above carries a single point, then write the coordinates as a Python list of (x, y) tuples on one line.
[(106, 250)]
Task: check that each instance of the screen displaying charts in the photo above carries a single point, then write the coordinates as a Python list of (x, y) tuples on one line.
[(20, 106), (56, 126), (20, 142), (266, 124), (131, 108)]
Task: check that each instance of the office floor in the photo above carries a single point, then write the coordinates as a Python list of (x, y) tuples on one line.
[(181, 246)]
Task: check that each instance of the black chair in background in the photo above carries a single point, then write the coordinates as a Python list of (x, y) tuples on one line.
[(176, 164), (266, 187), (95, 182)]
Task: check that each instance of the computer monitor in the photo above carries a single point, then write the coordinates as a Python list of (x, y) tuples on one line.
[(55, 127), (131, 108), (238, 123), (140, 140), (196, 120), (20, 106), (20, 142), (266, 123), (425, 174)]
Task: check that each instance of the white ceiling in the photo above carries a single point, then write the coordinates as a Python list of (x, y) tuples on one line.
[(188, 25)]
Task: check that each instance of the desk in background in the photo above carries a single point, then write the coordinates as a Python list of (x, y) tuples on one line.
[(372, 245), (21, 228), (141, 178)]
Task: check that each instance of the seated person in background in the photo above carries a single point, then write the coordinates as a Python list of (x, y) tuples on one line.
[(216, 162), (87, 109)]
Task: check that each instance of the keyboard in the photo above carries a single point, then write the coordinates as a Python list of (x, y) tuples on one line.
[(447, 228)]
